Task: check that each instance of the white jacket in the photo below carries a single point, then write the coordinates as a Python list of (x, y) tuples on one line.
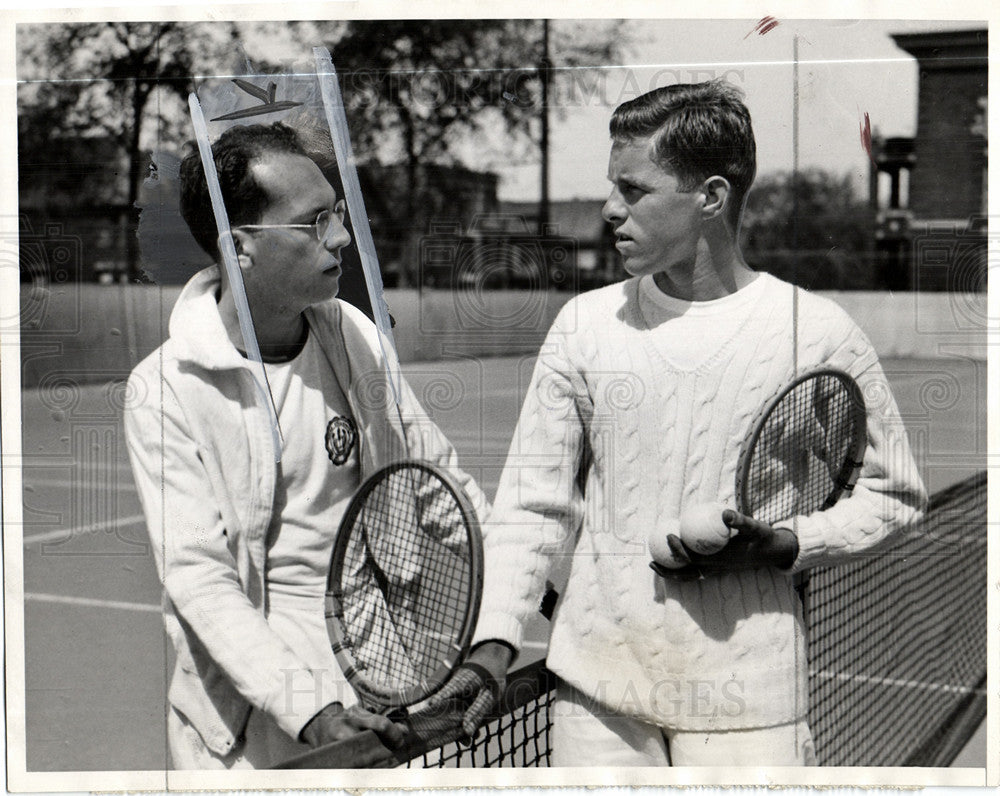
[(200, 442)]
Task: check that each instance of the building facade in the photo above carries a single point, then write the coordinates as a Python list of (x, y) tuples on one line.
[(930, 191)]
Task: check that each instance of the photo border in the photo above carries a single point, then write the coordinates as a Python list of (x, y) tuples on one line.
[(10, 407)]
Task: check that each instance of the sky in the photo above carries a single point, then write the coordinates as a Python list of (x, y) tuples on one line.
[(846, 68)]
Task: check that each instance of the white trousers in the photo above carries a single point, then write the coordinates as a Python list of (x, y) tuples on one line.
[(585, 735)]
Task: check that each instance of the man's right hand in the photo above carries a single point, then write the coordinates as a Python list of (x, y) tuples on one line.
[(335, 723), (477, 685)]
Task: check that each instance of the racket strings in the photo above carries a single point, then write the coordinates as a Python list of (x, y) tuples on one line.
[(412, 579), (803, 451)]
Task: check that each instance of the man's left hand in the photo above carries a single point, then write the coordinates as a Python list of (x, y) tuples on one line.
[(755, 544)]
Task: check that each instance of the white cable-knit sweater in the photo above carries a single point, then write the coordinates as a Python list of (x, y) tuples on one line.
[(723, 653)]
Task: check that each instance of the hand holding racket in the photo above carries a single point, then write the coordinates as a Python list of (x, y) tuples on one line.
[(477, 687), (804, 452), (402, 602), (335, 723)]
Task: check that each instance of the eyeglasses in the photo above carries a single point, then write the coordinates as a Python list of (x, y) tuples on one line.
[(322, 226)]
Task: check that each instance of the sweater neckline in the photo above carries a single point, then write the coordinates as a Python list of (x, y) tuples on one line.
[(724, 304), (760, 286)]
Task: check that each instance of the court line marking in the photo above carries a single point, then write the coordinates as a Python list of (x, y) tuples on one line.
[(68, 533), (892, 681), (88, 602), (38, 464), (34, 483)]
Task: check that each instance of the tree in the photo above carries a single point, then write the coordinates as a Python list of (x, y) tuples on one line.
[(96, 80), (812, 229), (414, 89)]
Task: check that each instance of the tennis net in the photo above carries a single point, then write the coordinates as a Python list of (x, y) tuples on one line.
[(897, 650), (897, 644)]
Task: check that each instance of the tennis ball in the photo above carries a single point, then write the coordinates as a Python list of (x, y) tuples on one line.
[(702, 528), (660, 550)]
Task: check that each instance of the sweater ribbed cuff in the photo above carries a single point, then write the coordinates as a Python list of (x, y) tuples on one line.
[(499, 627), (812, 542)]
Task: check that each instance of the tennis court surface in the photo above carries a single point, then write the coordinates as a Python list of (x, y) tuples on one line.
[(97, 662)]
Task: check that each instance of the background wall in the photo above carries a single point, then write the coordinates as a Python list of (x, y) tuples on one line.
[(98, 333)]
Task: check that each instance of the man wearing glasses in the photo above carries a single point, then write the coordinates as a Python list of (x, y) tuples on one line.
[(242, 541)]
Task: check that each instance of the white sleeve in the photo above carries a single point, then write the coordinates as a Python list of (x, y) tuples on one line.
[(539, 504), (889, 493)]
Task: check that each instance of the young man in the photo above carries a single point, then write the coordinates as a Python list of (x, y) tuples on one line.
[(640, 399), (243, 544)]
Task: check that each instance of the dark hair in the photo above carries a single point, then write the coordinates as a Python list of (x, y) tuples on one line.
[(234, 153), (699, 130)]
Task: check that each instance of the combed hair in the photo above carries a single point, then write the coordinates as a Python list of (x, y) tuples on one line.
[(234, 153), (699, 130)]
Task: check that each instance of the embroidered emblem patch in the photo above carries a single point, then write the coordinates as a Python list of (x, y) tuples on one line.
[(341, 434)]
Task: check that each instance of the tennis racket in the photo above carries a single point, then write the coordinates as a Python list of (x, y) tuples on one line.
[(805, 448), (405, 584), (804, 452)]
